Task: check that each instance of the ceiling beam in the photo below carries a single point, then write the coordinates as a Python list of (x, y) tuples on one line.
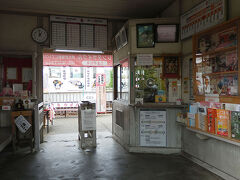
[(47, 13)]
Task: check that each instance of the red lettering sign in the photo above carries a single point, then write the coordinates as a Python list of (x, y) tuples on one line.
[(77, 60)]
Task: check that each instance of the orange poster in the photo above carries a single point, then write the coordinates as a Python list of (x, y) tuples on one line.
[(222, 122)]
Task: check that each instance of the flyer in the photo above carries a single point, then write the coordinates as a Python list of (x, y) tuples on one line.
[(153, 128)]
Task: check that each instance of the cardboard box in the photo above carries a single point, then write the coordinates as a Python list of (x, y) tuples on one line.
[(201, 121), (160, 98), (192, 122)]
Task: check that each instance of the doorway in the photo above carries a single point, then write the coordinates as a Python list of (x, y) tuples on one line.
[(69, 79)]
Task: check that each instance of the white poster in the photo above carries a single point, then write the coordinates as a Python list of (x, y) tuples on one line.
[(212, 98), (204, 15), (26, 74), (153, 128), (89, 82), (144, 59), (88, 117), (22, 124)]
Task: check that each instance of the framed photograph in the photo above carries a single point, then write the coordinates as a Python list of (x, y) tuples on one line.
[(26, 74), (166, 33), (123, 36), (171, 67), (145, 36), (118, 41), (11, 73)]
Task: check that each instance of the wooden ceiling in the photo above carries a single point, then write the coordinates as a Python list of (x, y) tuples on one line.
[(112, 9)]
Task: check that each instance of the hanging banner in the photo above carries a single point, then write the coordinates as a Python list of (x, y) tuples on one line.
[(101, 93), (77, 60), (204, 15)]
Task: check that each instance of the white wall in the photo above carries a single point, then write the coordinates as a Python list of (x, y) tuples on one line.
[(15, 32), (222, 155), (15, 39)]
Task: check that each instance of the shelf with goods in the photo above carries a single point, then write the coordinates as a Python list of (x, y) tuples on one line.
[(216, 51), (216, 67), (220, 124), (220, 73), (217, 81), (215, 136)]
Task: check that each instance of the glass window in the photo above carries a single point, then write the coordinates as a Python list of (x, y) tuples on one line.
[(119, 82), (191, 77), (122, 81), (149, 85)]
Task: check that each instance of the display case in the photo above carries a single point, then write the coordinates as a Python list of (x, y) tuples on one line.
[(216, 83), (216, 63)]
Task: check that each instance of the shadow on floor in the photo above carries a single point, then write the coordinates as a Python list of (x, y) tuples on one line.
[(61, 157)]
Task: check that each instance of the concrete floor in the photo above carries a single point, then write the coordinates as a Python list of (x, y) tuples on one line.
[(62, 158)]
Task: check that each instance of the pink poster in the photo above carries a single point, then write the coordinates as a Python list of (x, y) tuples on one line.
[(77, 60)]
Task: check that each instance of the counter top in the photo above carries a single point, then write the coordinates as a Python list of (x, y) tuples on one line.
[(160, 105), (153, 105)]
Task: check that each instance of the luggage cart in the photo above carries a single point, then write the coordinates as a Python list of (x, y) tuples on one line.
[(87, 124)]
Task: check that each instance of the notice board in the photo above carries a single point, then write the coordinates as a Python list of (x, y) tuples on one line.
[(206, 14), (77, 32), (153, 129)]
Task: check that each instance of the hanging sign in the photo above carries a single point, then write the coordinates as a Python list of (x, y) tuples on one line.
[(204, 15), (69, 19), (77, 60), (101, 93)]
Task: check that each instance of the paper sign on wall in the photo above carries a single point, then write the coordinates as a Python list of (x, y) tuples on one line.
[(153, 128), (212, 98), (88, 119), (145, 59)]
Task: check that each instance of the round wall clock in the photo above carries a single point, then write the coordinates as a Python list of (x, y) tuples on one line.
[(39, 35)]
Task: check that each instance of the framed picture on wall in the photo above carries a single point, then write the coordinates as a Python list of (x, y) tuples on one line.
[(26, 74), (118, 41), (145, 36), (166, 33), (11, 73), (171, 67), (123, 36)]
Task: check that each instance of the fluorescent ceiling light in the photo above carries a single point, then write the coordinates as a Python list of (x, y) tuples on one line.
[(78, 51)]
